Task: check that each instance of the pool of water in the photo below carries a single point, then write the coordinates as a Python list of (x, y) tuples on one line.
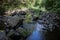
[(37, 33)]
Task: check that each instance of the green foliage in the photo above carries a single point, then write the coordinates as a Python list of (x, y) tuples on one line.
[(52, 5), (28, 18), (20, 3), (25, 33), (35, 4)]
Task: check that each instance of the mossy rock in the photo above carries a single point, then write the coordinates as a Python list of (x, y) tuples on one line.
[(22, 32)]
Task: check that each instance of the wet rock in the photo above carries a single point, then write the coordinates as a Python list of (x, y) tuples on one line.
[(18, 34), (3, 35), (1, 23), (47, 18), (29, 27), (35, 18), (13, 20)]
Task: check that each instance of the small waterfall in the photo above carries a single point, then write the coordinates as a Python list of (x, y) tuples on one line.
[(37, 33)]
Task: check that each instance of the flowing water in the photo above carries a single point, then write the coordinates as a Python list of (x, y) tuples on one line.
[(37, 33)]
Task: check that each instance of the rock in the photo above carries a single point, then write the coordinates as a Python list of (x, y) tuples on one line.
[(47, 18), (35, 18), (22, 31), (41, 21), (3, 35), (18, 34), (17, 11), (1, 23), (11, 32), (29, 27), (13, 20)]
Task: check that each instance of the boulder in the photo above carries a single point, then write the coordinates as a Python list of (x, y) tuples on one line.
[(12, 21), (3, 35)]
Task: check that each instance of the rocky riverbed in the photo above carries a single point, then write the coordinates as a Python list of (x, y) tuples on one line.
[(15, 26)]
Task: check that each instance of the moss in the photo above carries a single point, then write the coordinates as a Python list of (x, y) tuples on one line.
[(25, 33), (28, 18)]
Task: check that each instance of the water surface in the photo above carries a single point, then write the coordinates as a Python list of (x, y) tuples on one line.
[(37, 33)]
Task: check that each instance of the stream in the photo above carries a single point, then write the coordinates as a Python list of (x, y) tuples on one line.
[(37, 33)]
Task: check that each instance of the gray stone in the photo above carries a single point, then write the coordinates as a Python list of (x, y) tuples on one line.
[(3, 35)]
